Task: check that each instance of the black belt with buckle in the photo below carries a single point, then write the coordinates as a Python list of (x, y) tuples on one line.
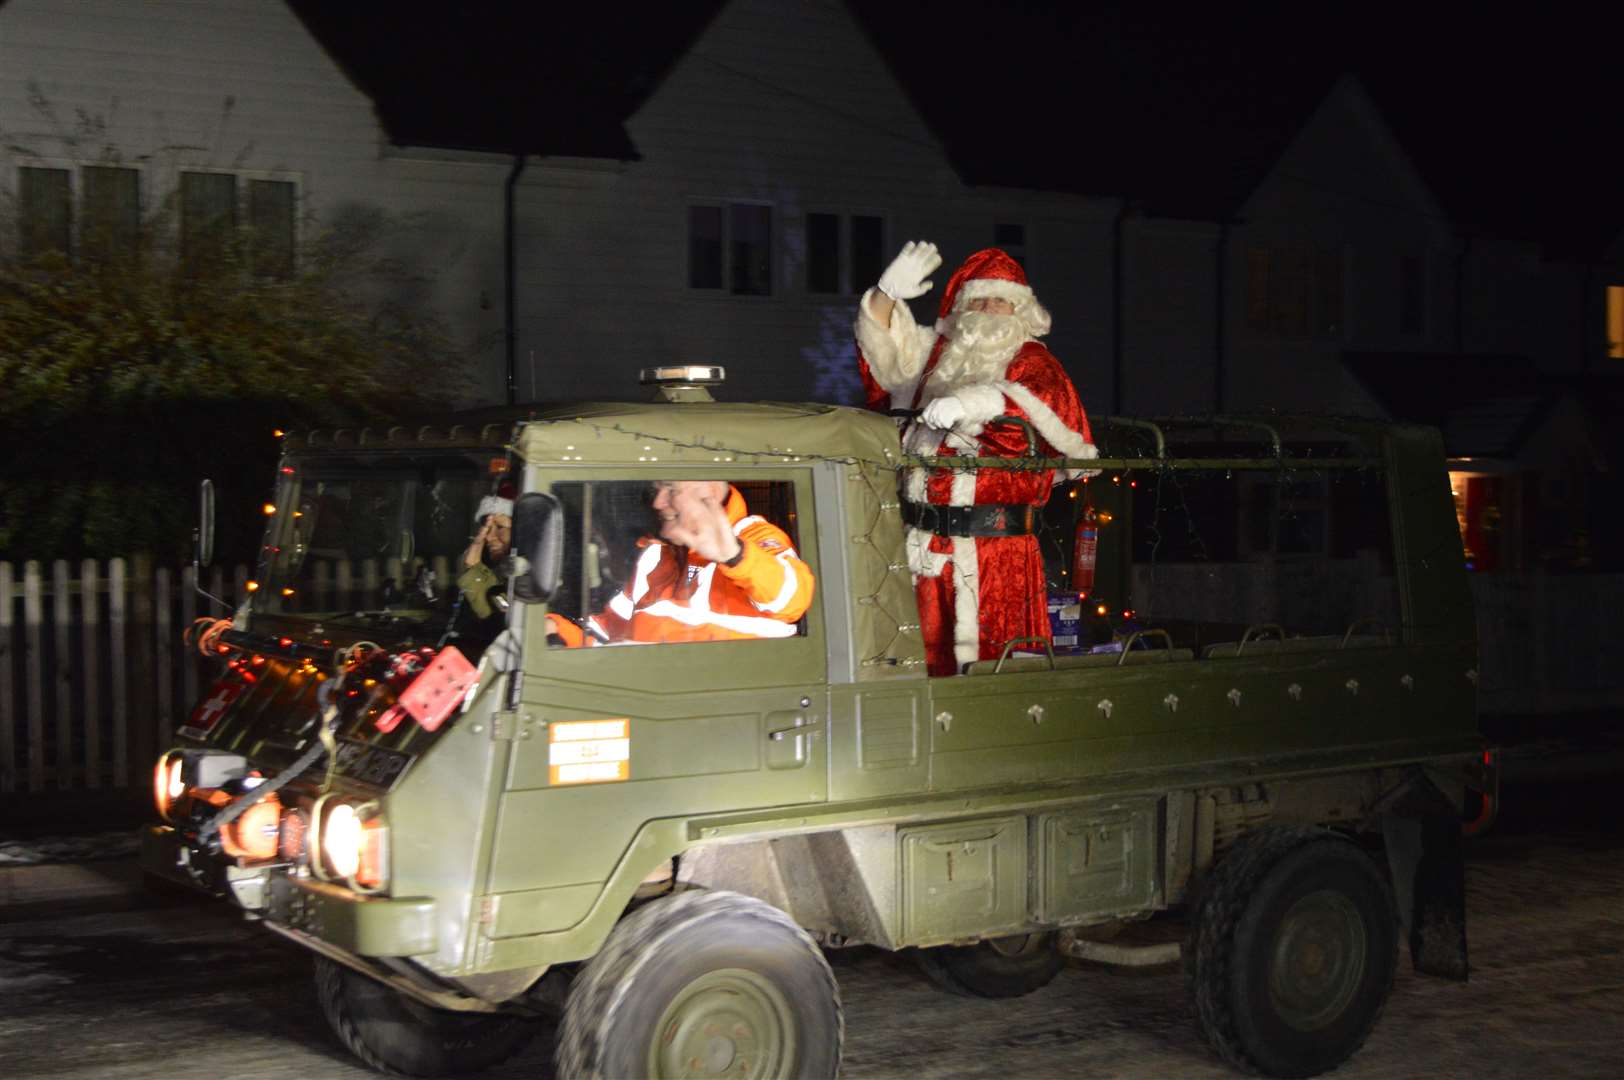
[(987, 520)]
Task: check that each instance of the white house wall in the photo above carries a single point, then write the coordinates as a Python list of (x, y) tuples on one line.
[(240, 86), (786, 104), (1342, 187), (1169, 316)]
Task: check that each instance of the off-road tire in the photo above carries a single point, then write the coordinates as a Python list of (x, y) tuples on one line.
[(393, 1034), (1334, 966), (721, 960), (1007, 968)]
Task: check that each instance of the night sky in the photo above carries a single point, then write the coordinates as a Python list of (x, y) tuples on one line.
[(1182, 108)]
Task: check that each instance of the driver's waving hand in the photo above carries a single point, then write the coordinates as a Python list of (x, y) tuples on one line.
[(716, 573)]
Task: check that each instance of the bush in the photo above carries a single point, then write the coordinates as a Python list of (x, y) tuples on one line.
[(126, 377)]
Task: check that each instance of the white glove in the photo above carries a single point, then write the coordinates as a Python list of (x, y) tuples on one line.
[(944, 412), (905, 278)]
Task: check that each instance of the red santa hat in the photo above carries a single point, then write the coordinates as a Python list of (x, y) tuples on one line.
[(989, 272)]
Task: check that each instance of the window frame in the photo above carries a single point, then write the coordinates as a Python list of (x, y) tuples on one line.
[(242, 207), (764, 662), (724, 291), (849, 282), (1260, 320)]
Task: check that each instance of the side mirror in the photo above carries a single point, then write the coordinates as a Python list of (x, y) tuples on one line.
[(204, 537), (538, 538)]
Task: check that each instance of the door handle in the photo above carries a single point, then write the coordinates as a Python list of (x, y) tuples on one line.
[(798, 728)]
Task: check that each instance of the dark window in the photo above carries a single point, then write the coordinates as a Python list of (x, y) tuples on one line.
[(270, 215), (1294, 292), (750, 231), (1328, 293), (1410, 294), (867, 250), (111, 220), (1257, 289), (1288, 294), (823, 253), (44, 210), (704, 247), (1012, 238), (208, 212)]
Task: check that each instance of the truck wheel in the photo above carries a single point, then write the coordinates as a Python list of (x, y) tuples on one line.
[(1003, 968), (704, 983), (394, 1034), (1294, 948)]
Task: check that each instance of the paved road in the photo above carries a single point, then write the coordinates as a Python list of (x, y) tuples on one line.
[(115, 990)]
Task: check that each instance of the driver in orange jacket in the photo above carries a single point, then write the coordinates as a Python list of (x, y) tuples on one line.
[(720, 574)]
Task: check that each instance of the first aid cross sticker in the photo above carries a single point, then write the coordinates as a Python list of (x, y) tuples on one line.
[(589, 751), (204, 716)]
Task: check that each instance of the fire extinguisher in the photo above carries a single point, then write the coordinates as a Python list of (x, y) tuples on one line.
[(1085, 552)]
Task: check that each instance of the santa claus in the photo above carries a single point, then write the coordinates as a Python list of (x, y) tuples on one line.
[(971, 544)]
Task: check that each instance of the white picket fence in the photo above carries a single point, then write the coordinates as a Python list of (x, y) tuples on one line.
[(94, 672), (93, 668)]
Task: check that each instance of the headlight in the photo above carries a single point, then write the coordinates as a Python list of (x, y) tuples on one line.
[(350, 843), (168, 783), (179, 771), (341, 840)]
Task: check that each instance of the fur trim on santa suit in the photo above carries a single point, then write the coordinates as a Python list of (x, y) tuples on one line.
[(493, 504), (976, 593)]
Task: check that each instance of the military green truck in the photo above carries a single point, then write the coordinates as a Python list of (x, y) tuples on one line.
[(1261, 728)]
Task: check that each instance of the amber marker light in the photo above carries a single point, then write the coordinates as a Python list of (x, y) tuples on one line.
[(254, 835), (1100, 610), (251, 586), (269, 508)]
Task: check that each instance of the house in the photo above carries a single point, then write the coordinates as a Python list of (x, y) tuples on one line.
[(728, 224), (718, 182)]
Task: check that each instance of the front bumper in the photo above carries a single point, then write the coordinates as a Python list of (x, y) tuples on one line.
[(339, 917)]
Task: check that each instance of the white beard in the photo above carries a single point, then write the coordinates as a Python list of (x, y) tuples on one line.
[(979, 348)]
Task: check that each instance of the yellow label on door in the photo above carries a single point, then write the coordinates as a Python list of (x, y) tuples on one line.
[(589, 751)]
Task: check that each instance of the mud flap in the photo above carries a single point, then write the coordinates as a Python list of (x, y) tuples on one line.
[(1424, 851)]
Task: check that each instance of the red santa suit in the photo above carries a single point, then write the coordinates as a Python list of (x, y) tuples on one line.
[(976, 592)]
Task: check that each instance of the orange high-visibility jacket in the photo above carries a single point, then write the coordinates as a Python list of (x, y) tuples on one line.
[(699, 600)]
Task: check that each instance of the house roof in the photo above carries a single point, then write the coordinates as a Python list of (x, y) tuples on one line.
[(520, 78), (1181, 110), (1486, 406)]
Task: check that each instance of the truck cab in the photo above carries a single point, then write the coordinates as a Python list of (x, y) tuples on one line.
[(1262, 719)]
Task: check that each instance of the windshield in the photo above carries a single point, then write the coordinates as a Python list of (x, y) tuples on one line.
[(372, 535)]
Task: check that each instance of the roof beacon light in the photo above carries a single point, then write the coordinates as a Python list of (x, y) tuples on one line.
[(683, 382)]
